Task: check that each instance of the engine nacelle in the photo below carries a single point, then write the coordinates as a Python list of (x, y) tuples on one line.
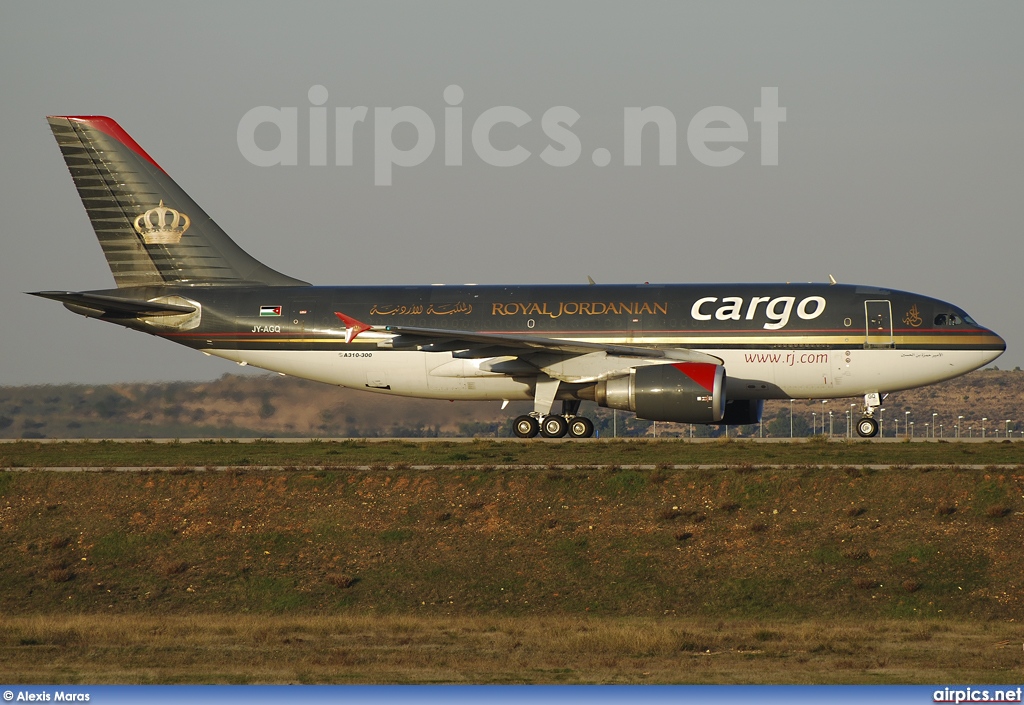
[(685, 392), (742, 412)]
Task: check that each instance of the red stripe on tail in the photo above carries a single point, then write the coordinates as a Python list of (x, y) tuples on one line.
[(110, 128)]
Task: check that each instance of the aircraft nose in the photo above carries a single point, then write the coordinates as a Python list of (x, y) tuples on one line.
[(995, 344), (997, 341)]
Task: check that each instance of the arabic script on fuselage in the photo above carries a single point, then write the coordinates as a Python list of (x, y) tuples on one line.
[(450, 309)]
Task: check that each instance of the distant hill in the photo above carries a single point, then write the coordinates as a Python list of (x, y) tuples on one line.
[(276, 406)]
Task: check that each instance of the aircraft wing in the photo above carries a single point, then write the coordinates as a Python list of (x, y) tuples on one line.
[(567, 360)]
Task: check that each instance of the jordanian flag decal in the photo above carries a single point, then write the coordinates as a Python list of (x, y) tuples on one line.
[(270, 310)]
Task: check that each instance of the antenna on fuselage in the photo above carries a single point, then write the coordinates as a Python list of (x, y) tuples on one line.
[(832, 280)]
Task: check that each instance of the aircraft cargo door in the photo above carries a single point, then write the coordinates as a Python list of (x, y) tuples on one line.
[(879, 324), (301, 314)]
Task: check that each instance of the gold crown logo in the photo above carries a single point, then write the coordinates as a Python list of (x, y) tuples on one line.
[(161, 225)]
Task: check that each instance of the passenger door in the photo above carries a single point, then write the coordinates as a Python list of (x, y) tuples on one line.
[(878, 316)]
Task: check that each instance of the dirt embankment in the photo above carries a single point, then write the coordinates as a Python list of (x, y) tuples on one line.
[(740, 543)]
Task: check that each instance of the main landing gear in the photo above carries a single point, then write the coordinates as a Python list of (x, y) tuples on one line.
[(555, 425), (867, 427)]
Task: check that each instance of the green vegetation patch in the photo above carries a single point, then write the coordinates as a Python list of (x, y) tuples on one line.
[(513, 541), (659, 456)]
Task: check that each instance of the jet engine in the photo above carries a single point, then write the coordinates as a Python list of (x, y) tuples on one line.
[(685, 392), (742, 412)]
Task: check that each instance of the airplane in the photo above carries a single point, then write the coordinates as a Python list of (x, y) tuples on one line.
[(689, 353)]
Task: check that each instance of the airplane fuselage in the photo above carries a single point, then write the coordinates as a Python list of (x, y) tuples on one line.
[(778, 341)]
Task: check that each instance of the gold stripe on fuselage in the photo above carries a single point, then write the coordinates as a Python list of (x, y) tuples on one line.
[(967, 341)]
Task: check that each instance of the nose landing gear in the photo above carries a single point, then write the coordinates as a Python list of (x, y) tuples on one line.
[(867, 427)]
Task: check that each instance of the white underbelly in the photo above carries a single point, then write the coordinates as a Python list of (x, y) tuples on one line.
[(764, 374), (398, 372), (823, 374)]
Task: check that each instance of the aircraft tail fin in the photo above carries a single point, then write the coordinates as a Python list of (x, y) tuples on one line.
[(152, 233)]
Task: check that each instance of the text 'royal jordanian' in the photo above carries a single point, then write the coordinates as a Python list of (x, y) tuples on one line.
[(688, 353)]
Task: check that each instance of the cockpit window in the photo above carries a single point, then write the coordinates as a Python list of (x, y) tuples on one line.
[(948, 319)]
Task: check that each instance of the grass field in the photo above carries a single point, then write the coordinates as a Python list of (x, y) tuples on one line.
[(816, 451), (554, 649), (494, 562)]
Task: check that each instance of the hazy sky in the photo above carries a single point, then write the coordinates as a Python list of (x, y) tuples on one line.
[(901, 161)]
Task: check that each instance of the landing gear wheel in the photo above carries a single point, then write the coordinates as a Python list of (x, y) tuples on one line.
[(867, 427), (525, 426), (553, 426), (581, 427)]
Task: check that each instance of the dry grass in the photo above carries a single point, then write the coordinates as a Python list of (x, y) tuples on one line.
[(997, 511), (424, 649)]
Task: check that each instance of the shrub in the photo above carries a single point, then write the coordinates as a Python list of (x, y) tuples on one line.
[(340, 580), (174, 568), (997, 511), (59, 542), (61, 575)]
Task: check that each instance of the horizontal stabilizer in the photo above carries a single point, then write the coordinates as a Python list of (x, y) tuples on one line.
[(114, 307)]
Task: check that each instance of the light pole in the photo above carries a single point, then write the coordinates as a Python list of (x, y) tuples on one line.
[(970, 431), (983, 420), (911, 429), (934, 414), (849, 422), (790, 419), (814, 422), (847, 434), (940, 430), (958, 425), (1007, 428), (829, 423), (926, 425), (906, 423), (881, 426)]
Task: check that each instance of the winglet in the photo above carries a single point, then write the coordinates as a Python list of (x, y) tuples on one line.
[(352, 326)]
